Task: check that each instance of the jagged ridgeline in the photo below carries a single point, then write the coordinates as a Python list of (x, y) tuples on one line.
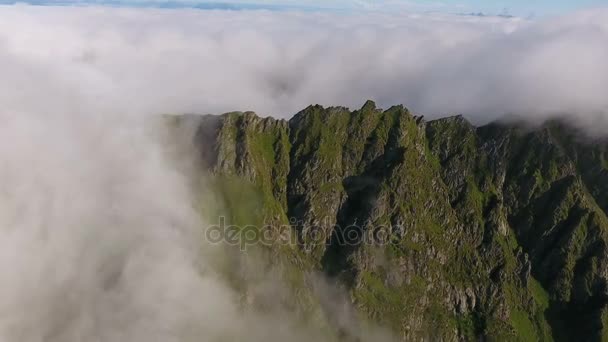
[(496, 232)]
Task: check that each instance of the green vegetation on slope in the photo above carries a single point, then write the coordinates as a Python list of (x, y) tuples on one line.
[(496, 232)]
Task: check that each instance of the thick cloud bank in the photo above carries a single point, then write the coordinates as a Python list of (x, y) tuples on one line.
[(277, 63), (89, 250)]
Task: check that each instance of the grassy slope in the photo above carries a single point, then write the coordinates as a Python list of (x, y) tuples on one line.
[(497, 231)]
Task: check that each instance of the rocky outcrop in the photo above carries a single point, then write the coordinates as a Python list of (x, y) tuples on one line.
[(440, 230)]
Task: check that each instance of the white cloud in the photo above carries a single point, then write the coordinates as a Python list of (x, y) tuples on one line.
[(278, 63)]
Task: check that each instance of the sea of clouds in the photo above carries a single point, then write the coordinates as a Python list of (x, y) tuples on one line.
[(277, 63), (99, 229)]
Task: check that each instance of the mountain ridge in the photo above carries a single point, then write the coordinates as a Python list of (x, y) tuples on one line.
[(493, 232)]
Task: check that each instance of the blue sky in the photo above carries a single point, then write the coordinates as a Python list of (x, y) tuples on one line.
[(521, 7), (514, 7)]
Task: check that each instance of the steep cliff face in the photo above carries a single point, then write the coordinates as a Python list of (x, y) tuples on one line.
[(439, 230)]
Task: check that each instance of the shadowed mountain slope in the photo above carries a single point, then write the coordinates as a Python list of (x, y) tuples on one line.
[(440, 230)]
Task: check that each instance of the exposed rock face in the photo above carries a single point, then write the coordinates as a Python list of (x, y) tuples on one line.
[(441, 230)]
